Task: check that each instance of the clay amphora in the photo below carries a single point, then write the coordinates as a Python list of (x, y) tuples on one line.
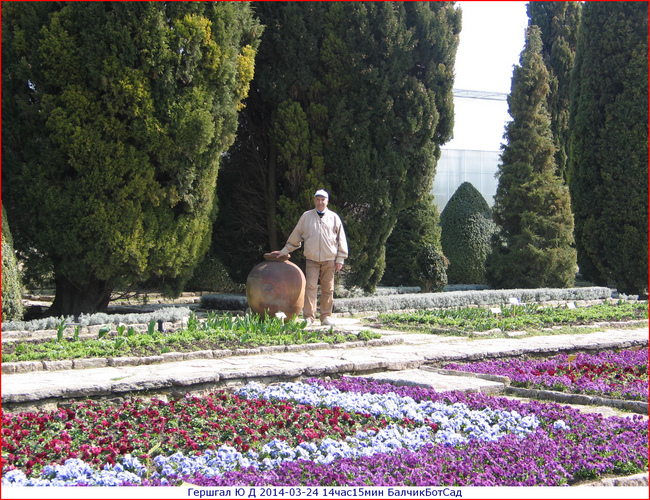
[(276, 286)]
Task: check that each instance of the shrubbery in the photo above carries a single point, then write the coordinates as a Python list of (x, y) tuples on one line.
[(413, 253), (12, 306), (224, 302), (211, 275), (167, 314), (431, 269), (467, 298), (466, 231)]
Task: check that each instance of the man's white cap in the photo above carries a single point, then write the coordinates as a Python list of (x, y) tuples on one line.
[(322, 192)]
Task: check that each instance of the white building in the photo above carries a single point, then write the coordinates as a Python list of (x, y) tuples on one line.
[(473, 154), (465, 165)]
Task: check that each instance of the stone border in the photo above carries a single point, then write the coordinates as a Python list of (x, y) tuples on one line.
[(579, 399), (641, 479), (170, 357), (458, 373)]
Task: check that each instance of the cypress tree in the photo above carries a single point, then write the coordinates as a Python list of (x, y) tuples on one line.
[(115, 117), (354, 97), (608, 165), (532, 208), (414, 256), (466, 232), (12, 289), (252, 178), (559, 23)]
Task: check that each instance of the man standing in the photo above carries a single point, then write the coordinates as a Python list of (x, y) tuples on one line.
[(325, 250)]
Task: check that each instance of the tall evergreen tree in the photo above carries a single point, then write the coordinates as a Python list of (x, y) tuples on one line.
[(12, 289), (115, 116), (608, 164), (559, 23), (532, 208), (417, 229), (352, 97)]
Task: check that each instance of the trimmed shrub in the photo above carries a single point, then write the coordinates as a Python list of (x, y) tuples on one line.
[(224, 302), (466, 231), (467, 298), (12, 289), (166, 314)]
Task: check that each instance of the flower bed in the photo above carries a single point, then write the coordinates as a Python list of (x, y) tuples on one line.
[(345, 432), (620, 375)]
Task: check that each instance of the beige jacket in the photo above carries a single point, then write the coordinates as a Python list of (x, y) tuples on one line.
[(324, 237)]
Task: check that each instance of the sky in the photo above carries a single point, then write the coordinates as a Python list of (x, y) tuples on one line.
[(491, 40)]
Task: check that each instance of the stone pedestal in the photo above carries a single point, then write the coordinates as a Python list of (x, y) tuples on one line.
[(276, 286)]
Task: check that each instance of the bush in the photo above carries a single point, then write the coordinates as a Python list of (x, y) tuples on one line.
[(166, 314), (12, 289), (466, 231), (417, 228), (466, 298), (211, 275), (431, 269), (224, 302)]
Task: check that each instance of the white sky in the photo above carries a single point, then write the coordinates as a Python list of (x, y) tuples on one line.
[(491, 40)]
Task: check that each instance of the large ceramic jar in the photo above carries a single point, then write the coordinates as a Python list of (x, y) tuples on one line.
[(276, 286)]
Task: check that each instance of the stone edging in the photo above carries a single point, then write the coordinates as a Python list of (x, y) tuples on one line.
[(579, 399), (641, 479), (168, 357)]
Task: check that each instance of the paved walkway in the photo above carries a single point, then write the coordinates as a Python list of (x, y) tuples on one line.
[(399, 352)]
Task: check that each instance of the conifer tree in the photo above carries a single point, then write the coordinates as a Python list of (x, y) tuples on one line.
[(114, 119), (353, 97), (559, 23), (12, 292), (414, 256), (608, 164), (532, 208)]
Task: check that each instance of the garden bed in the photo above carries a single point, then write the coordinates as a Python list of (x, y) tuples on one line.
[(530, 318), (215, 333), (610, 378), (611, 374), (344, 432)]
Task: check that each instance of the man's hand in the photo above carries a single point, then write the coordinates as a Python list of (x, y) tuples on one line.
[(337, 267), (277, 254)]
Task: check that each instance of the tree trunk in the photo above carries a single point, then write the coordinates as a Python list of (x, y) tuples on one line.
[(272, 198), (72, 299)]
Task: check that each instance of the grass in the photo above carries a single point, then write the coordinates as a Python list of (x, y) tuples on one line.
[(215, 333), (531, 318)]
